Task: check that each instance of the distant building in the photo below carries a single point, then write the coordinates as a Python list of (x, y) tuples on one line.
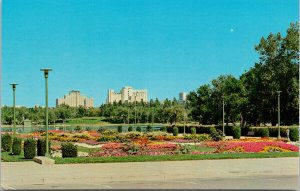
[(127, 94), (182, 96), (74, 99)]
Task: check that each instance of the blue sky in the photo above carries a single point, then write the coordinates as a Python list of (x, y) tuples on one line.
[(165, 46)]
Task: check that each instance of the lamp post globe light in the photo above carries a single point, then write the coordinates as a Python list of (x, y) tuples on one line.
[(14, 105), (278, 99), (223, 116), (46, 72)]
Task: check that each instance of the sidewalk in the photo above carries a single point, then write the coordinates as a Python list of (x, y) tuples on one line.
[(24, 173)]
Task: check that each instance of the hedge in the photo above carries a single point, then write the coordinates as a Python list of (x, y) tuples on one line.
[(6, 142), (41, 147), (16, 146), (120, 129), (175, 131), (69, 150), (29, 148), (294, 134), (236, 132)]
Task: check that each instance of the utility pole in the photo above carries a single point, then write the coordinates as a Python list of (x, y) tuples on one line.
[(278, 114)]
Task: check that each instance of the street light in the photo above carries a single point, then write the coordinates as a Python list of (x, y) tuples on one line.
[(14, 105), (46, 72), (278, 114), (223, 116)]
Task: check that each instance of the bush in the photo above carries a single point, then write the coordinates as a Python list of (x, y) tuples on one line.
[(101, 129), (6, 142), (16, 146), (216, 134), (163, 129), (41, 147), (120, 129), (236, 132), (87, 128), (107, 138), (294, 134), (139, 129), (149, 128), (129, 129), (29, 148), (68, 150), (175, 131), (263, 132), (193, 130), (77, 128)]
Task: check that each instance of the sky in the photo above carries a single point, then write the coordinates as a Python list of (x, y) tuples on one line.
[(164, 46)]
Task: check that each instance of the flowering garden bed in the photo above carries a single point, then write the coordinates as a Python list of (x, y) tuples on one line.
[(111, 146)]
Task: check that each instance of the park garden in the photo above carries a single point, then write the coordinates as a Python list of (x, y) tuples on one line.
[(131, 144)]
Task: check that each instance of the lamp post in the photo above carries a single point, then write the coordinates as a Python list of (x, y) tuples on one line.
[(278, 99), (184, 117), (46, 72), (14, 105), (135, 110), (223, 116)]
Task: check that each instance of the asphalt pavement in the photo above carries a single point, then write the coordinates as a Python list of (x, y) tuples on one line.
[(266, 173)]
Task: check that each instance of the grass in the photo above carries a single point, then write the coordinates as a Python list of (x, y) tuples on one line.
[(7, 157), (87, 150), (173, 157), (87, 120)]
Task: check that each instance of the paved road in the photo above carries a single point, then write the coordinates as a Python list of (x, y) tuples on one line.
[(264, 173), (255, 182)]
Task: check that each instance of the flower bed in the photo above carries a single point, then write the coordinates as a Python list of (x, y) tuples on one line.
[(251, 146)]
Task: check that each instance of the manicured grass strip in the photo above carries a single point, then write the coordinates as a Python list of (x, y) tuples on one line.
[(7, 157), (173, 157)]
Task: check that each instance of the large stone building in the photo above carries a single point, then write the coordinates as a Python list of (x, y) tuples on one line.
[(127, 94), (74, 99), (182, 97)]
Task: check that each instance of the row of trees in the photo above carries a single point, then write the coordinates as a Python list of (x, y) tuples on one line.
[(37, 114), (252, 98)]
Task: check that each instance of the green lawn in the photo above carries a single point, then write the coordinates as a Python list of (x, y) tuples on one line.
[(87, 150), (173, 157), (7, 157), (87, 120)]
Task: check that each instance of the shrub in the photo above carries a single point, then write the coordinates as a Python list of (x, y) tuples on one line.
[(77, 128), (294, 134), (184, 149), (263, 132), (149, 128), (216, 134), (175, 131), (120, 129), (129, 129), (245, 130), (41, 147), (87, 128), (29, 148), (68, 150), (101, 129), (163, 129), (139, 129), (193, 130), (16, 146), (6, 142), (236, 132), (107, 138)]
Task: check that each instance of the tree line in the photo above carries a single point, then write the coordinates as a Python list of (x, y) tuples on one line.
[(253, 98), (250, 99)]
